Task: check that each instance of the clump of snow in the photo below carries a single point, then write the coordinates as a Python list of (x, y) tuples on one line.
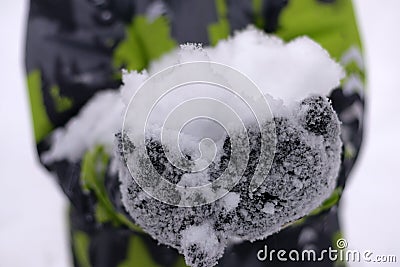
[(269, 208), (201, 251), (295, 77), (286, 71), (96, 124), (230, 201)]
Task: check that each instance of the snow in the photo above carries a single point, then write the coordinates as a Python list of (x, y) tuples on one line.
[(193, 179), (97, 123), (230, 201), (371, 223), (33, 227), (290, 71), (196, 245), (269, 208)]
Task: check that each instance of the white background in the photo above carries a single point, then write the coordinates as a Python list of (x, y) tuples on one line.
[(32, 208)]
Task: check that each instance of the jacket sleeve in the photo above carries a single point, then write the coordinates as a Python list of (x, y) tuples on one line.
[(332, 23), (69, 49)]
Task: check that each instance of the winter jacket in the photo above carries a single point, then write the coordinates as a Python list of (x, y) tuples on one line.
[(76, 48)]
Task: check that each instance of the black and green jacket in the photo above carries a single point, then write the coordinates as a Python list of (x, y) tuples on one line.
[(75, 48)]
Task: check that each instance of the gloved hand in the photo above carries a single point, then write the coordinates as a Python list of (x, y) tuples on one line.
[(302, 175)]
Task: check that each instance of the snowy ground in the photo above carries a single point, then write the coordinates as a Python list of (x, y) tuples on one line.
[(32, 228)]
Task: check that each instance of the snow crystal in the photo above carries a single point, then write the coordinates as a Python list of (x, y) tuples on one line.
[(269, 208), (230, 201)]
